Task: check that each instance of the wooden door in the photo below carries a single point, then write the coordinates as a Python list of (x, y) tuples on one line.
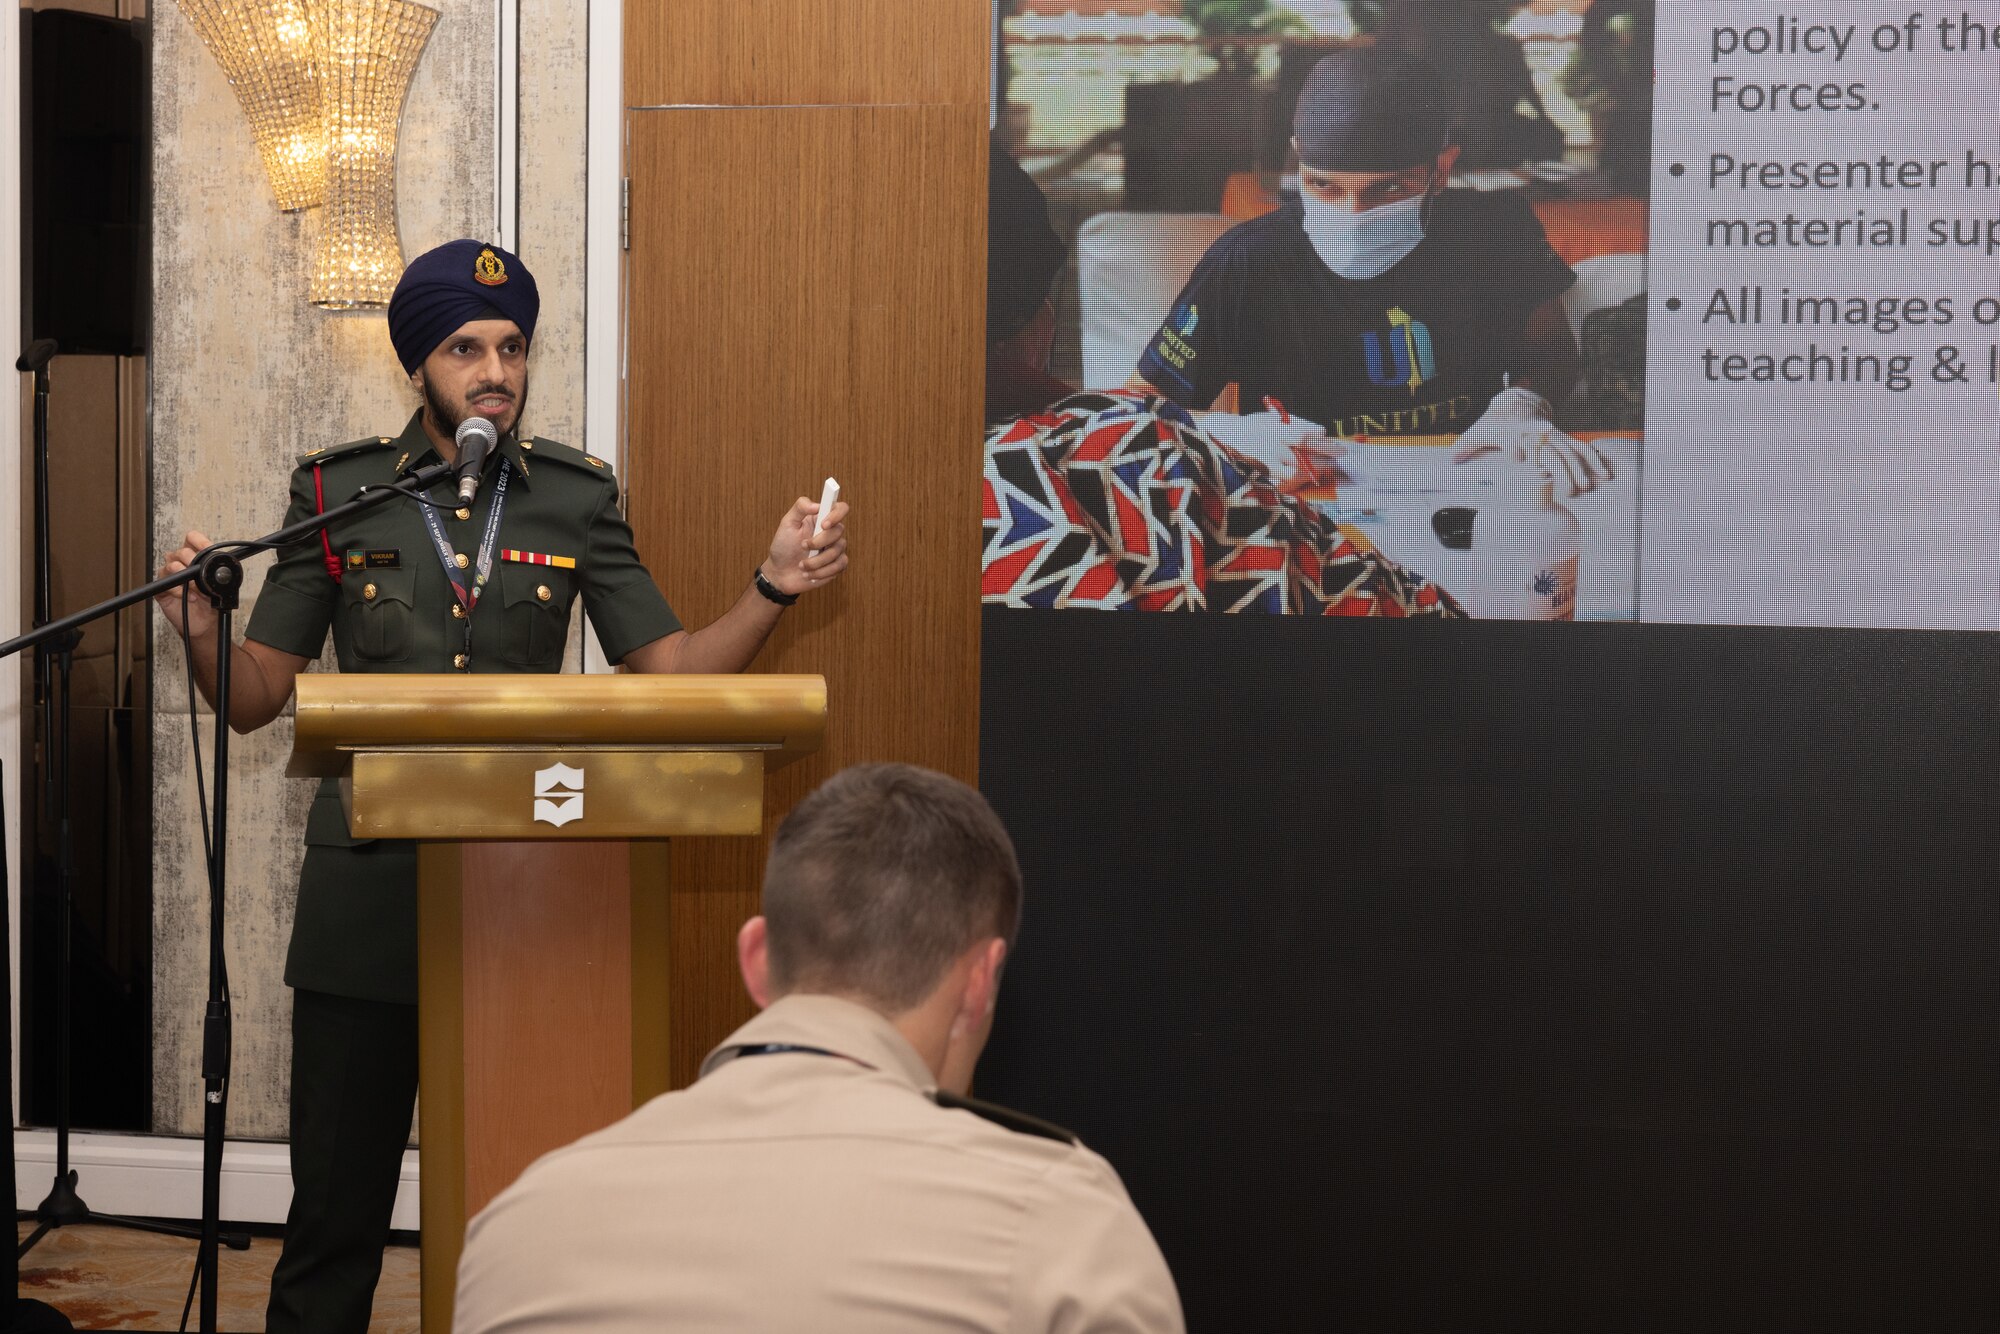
[(805, 298)]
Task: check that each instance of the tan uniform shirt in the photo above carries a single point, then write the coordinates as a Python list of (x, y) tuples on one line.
[(791, 1191)]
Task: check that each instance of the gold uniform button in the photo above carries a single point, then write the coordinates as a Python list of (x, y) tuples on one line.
[(542, 592), (527, 444), (458, 661), (465, 514), (462, 559), (457, 612), (368, 593)]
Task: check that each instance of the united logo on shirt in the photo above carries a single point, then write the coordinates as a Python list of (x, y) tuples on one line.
[(1400, 356), (1175, 350)]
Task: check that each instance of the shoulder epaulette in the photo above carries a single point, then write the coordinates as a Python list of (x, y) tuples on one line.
[(1006, 1117), (352, 447), (557, 452)]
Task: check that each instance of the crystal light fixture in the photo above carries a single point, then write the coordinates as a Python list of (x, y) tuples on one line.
[(368, 52), (268, 50)]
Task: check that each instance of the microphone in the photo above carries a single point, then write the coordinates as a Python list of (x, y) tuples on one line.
[(476, 439)]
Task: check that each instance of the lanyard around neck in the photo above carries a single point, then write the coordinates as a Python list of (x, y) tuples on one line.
[(468, 595), (794, 1048)]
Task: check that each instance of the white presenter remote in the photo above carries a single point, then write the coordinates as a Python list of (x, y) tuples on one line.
[(827, 496)]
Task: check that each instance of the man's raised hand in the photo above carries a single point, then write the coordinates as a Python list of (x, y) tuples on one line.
[(802, 560)]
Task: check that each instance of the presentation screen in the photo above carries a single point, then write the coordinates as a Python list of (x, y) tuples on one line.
[(1568, 310)]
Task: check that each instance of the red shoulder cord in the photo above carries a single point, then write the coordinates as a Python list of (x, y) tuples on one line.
[(325, 542)]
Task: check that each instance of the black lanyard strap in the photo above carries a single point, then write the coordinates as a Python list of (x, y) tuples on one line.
[(794, 1048), (468, 597)]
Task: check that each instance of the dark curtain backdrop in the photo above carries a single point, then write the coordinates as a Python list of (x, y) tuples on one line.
[(1487, 976)]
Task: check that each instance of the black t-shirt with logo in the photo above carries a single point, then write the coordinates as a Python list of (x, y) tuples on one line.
[(1419, 350)]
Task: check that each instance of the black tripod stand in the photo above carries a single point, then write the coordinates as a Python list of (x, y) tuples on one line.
[(21, 1314), (218, 574), (62, 1206)]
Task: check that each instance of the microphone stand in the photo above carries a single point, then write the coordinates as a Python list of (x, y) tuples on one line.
[(217, 573), (17, 1313), (62, 1206)]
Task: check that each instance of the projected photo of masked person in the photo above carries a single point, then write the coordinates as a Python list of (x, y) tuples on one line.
[(1377, 303)]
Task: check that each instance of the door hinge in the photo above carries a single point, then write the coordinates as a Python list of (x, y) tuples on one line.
[(625, 213)]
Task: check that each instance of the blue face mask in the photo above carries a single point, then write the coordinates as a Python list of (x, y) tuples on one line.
[(1366, 244)]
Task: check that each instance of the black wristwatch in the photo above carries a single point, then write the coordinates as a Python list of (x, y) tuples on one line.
[(771, 590)]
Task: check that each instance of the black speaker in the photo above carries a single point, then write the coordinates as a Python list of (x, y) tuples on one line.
[(85, 177)]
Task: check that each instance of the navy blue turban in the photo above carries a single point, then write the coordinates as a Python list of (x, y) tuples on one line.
[(450, 286)]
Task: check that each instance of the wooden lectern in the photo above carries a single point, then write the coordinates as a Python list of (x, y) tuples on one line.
[(542, 803)]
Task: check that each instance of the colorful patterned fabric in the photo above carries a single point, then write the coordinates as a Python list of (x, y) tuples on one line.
[(1118, 501)]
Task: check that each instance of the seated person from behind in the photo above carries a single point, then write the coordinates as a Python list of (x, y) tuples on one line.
[(1023, 257), (826, 1172), (1377, 303)]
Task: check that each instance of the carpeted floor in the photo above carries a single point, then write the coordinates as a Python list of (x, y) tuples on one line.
[(110, 1278)]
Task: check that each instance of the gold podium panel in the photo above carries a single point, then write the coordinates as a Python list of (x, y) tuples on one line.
[(542, 804), (522, 794)]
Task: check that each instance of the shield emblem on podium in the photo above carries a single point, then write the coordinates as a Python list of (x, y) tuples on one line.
[(558, 795)]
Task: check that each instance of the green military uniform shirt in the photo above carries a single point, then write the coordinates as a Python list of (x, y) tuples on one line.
[(393, 610)]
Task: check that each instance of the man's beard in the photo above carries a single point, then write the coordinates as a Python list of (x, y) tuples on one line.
[(448, 420)]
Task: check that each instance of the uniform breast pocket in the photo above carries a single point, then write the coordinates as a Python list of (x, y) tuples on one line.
[(536, 600), (381, 613)]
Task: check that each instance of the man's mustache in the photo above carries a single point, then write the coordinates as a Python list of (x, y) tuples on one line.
[(491, 391)]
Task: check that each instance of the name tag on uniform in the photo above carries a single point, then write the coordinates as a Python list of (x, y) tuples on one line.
[(537, 558), (374, 560)]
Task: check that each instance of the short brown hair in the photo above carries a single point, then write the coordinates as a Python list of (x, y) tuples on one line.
[(880, 878)]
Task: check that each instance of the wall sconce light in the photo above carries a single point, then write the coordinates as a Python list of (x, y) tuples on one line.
[(322, 84), (370, 51), (268, 50)]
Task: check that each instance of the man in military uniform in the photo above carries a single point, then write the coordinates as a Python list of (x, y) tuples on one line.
[(406, 587), (827, 1172)]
